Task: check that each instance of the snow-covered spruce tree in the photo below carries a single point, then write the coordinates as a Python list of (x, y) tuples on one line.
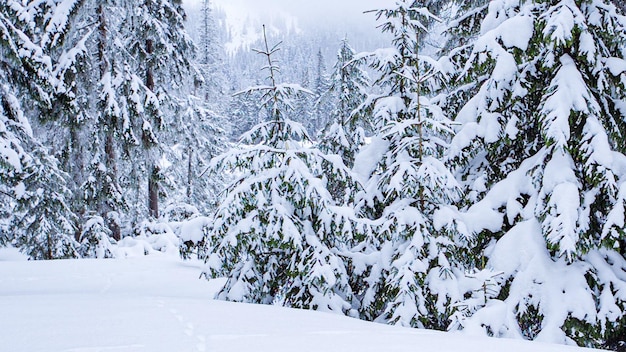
[(33, 189), (43, 221), (88, 113), (274, 232), (245, 113), (122, 67), (344, 134), (540, 97), (155, 73), (412, 278), (210, 58), (304, 108), (200, 138), (60, 127), (201, 130), (323, 103), (88, 125)]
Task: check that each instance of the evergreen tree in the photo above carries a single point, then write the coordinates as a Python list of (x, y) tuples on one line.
[(245, 113), (540, 99), (201, 131), (415, 278), (210, 58), (323, 102), (344, 135), (95, 239), (274, 231), (304, 106), (125, 65), (160, 49), (34, 190), (200, 137)]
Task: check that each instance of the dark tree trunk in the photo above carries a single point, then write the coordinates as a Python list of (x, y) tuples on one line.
[(109, 140), (149, 74), (153, 181), (102, 28), (153, 192)]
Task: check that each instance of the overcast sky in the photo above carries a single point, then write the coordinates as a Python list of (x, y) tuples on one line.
[(344, 16), (349, 12), (310, 8)]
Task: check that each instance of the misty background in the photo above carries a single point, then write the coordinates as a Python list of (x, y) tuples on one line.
[(243, 19)]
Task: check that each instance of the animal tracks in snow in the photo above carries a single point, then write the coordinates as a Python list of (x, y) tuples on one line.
[(188, 327)]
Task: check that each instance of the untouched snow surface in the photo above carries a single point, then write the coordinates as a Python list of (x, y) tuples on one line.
[(157, 303)]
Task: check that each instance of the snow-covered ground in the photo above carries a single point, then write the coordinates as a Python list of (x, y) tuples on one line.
[(157, 303)]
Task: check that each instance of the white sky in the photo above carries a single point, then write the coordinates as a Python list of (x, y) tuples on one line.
[(344, 16), (307, 12), (309, 8)]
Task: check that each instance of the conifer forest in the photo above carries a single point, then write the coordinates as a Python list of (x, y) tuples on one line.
[(466, 171)]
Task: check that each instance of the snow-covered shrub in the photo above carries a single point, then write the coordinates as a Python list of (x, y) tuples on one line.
[(179, 212), (150, 238), (192, 235), (95, 239)]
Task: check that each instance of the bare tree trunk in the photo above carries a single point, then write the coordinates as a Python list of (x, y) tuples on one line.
[(102, 28)]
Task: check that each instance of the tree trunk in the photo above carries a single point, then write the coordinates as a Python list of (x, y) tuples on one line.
[(102, 28), (149, 74), (190, 175), (109, 140), (153, 181), (153, 192), (76, 169)]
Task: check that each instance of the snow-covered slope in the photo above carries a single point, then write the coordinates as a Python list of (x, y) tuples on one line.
[(159, 304)]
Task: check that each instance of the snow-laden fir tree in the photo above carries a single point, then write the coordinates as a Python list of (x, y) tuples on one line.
[(304, 111), (201, 131), (323, 103), (121, 69), (345, 132), (90, 112), (160, 63), (275, 230), (95, 239), (200, 138), (210, 58), (245, 113), (33, 189), (412, 277), (540, 96)]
